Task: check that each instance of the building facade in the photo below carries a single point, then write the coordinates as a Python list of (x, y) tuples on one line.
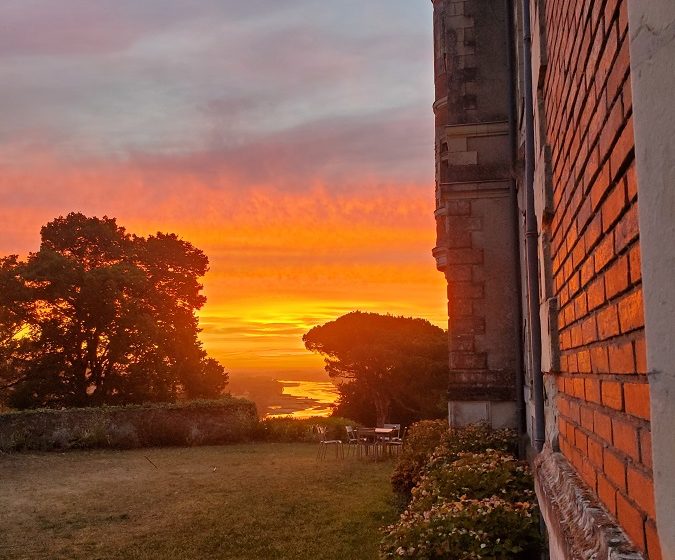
[(555, 168)]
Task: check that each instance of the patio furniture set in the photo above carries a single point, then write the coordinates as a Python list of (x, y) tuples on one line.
[(374, 443)]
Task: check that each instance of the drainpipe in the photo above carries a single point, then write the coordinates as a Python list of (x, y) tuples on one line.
[(513, 194), (531, 239)]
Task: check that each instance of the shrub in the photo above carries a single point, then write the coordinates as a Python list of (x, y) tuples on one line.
[(475, 438), (475, 476), (465, 530), (288, 429), (421, 440)]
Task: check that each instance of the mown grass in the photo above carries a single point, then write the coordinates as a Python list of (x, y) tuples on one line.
[(252, 501)]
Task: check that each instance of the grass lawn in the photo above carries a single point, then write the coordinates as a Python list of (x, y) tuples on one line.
[(253, 501)]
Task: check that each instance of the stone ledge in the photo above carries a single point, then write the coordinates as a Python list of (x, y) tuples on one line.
[(578, 526)]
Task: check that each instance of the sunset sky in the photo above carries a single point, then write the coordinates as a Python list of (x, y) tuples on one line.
[(291, 140)]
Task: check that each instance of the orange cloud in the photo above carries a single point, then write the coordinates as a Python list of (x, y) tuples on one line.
[(281, 261)]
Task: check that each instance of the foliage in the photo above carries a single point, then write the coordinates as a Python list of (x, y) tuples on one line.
[(421, 440), (471, 498), (100, 316), (474, 438), (466, 529), (287, 429), (186, 423), (394, 365), (476, 476)]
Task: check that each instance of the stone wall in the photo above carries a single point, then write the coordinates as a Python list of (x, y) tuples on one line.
[(475, 246)]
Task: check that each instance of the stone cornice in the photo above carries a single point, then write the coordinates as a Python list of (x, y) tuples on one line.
[(579, 527)]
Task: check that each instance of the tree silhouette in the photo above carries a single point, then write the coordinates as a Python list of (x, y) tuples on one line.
[(394, 366), (100, 316)]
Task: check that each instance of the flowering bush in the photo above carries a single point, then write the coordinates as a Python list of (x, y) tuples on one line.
[(471, 498), (422, 438), (431, 443), (475, 476), (465, 530), (475, 438)]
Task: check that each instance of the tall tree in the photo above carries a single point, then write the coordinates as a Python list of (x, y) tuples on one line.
[(396, 366), (100, 316)]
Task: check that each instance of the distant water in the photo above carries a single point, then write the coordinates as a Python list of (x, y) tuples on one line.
[(308, 399), (298, 398)]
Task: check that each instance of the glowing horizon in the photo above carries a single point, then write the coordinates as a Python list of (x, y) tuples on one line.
[(306, 177)]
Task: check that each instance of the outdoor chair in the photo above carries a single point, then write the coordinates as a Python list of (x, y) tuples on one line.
[(324, 443), (395, 444), (353, 441)]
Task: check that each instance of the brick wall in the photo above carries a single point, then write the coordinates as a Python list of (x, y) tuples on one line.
[(603, 394)]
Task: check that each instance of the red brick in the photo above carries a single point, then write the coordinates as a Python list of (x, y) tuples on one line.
[(646, 448), (608, 322), (627, 230), (611, 128), (623, 149), (596, 294), (577, 336), (604, 252), (580, 305), (581, 441), (589, 331), (584, 363), (573, 284), (600, 187), (616, 278), (615, 469), (635, 264), (611, 395), (613, 206), (631, 521), (595, 449), (621, 358), (586, 418), (587, 271), (641, 356), (631, 182), (607, 494), (641, 491), (636, 396), (653, 544), (625, 437), (593, 231), (579, 252), (563, 363), (602, 425), (618, 71), (592, 390), (631, 313), (599, 359)]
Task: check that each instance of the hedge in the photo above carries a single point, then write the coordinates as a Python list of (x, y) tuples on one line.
[(226, 420)]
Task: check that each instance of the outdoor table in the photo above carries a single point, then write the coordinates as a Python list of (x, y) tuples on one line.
[(373, 436)]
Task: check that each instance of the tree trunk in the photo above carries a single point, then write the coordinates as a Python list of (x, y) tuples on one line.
[(382, 405)]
